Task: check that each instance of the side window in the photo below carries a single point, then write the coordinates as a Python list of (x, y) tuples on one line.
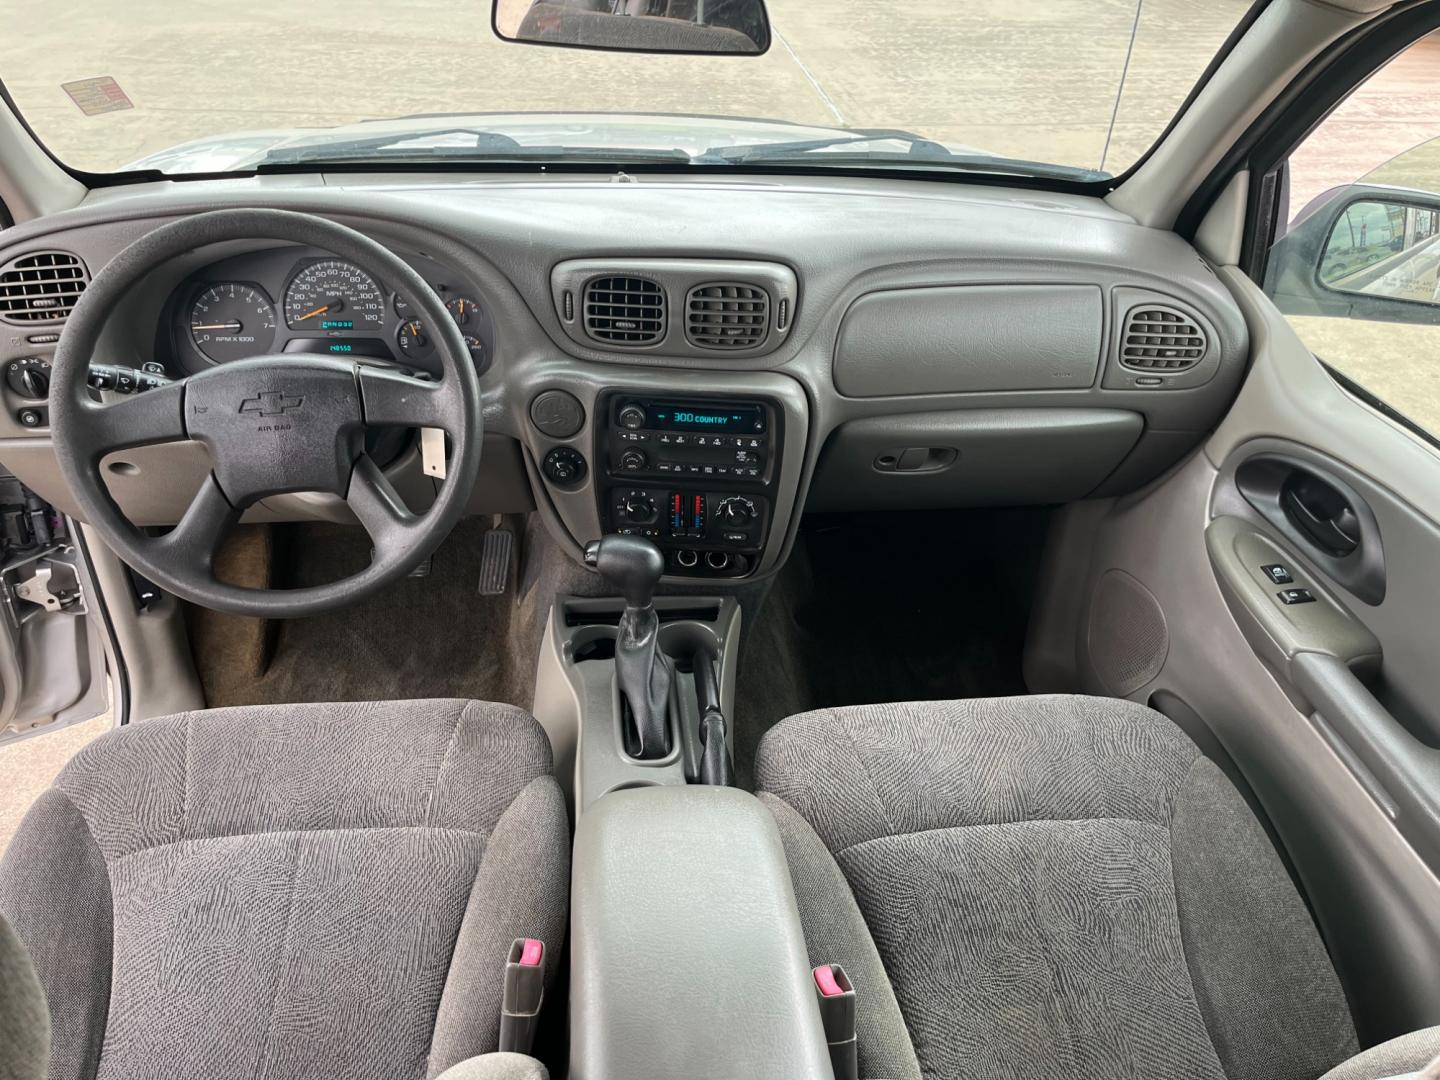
[(1357, 267)]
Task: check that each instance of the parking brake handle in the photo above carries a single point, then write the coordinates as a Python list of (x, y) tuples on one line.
[(634, 565), (715, 766)]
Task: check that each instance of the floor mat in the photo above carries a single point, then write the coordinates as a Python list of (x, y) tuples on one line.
[(432, 636), (896, 607)]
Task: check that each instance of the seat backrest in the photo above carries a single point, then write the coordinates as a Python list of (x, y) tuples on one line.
[(293, 891), (24, 1016)]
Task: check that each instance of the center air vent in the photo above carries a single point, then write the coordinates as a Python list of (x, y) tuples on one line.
[(42, 287), (624, 310), (1161, 339), (727, 316)]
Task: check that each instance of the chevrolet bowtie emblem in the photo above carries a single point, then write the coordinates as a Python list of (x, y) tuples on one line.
[(270, 403)]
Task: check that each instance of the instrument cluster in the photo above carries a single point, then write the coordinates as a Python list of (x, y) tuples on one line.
[(294, 300)]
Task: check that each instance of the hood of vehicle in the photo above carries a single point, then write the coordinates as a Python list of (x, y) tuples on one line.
[(660, 132)]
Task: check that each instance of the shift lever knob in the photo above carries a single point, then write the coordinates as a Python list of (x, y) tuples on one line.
[(631, 564)]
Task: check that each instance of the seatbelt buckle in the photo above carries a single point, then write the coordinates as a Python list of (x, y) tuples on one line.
[(523, 994), (837, 1016)]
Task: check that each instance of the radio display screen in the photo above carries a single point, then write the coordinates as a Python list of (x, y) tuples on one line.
[(730, 419)]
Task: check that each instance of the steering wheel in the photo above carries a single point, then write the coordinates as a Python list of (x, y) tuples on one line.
[(272, 424)]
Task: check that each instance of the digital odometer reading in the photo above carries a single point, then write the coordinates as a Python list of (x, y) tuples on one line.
[(736, 419), (333, 295)]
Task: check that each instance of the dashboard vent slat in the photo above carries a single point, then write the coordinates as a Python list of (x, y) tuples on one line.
[(1162, 339), (627, 311), (727, 315), (41, 287)]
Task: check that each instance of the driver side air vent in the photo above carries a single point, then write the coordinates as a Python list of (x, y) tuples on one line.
[(727, 316), (628, 311), (1161, 339), (42, 287)]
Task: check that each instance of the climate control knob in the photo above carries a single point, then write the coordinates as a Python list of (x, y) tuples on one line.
[(632, 417), (639, 508), (736, 512)]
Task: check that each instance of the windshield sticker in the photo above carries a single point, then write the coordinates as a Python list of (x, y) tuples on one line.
[(98, 95)]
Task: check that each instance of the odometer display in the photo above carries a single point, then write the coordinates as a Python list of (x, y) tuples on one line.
[(231, 321), (332, 295)]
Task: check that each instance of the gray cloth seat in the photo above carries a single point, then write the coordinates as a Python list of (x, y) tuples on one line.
[(1047, 886), (290, 891)]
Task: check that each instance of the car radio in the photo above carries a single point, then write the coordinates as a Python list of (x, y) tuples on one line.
[(692, 474)]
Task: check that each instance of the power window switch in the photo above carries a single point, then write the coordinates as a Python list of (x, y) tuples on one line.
[(1277, 573), (1296, 596)]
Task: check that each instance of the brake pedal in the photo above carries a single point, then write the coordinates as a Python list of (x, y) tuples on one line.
[(496, 549)]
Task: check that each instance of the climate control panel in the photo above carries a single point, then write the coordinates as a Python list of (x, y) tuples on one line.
[(692, 475)]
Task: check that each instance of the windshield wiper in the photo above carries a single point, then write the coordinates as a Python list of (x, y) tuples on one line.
[(488, 146), (919, 151)]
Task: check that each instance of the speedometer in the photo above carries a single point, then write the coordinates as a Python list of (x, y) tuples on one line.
[(334, 295)]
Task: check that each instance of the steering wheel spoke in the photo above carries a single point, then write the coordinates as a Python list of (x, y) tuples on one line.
[(207, 521), (155, 416), (382, 513), (390, 399)]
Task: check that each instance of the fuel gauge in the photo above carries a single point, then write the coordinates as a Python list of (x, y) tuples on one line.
[(413, 342)]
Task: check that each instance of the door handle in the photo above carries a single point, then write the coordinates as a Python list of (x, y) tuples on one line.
[(1321, 514)]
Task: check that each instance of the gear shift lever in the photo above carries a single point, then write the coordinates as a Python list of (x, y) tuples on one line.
[(633, 565)]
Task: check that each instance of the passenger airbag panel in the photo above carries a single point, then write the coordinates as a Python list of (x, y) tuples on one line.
[(969, 338)]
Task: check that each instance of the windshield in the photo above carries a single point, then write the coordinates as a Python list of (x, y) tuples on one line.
[(1071, 88)]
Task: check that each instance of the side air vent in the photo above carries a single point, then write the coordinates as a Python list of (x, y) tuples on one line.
[(627, 311), (1161, 339), (727, 316), (42, 287)]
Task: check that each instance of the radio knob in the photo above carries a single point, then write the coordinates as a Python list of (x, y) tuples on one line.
[(632, 417), (737, 512), (633, 460), (640, 508)]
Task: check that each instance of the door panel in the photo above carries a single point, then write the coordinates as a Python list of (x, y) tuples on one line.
[(52, 656)]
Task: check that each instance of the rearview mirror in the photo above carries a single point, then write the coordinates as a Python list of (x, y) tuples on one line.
[(1384, 250), (712, 27)]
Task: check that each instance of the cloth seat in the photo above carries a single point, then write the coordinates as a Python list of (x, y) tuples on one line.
[(1047, 886), (289, 891)]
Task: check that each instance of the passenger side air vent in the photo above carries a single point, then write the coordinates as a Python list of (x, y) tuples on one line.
[(727, 316), (42, 287), (1161, 339), (628, 311)]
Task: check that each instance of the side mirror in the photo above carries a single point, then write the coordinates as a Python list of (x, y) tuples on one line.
[(712, 27), (1361, 252), (1384, 249)]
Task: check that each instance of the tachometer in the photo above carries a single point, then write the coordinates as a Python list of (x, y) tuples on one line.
[(230, 321), (334, 295)]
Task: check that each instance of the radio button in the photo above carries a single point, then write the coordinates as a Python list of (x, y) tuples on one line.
[(633, 460), (632, 417)]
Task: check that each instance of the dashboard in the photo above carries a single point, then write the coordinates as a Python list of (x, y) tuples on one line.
[(297, 300), (696, 360)]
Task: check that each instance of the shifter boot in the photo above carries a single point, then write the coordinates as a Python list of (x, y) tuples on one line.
[(646, 675)]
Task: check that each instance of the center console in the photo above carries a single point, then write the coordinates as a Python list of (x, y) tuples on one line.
[(695, 474)]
